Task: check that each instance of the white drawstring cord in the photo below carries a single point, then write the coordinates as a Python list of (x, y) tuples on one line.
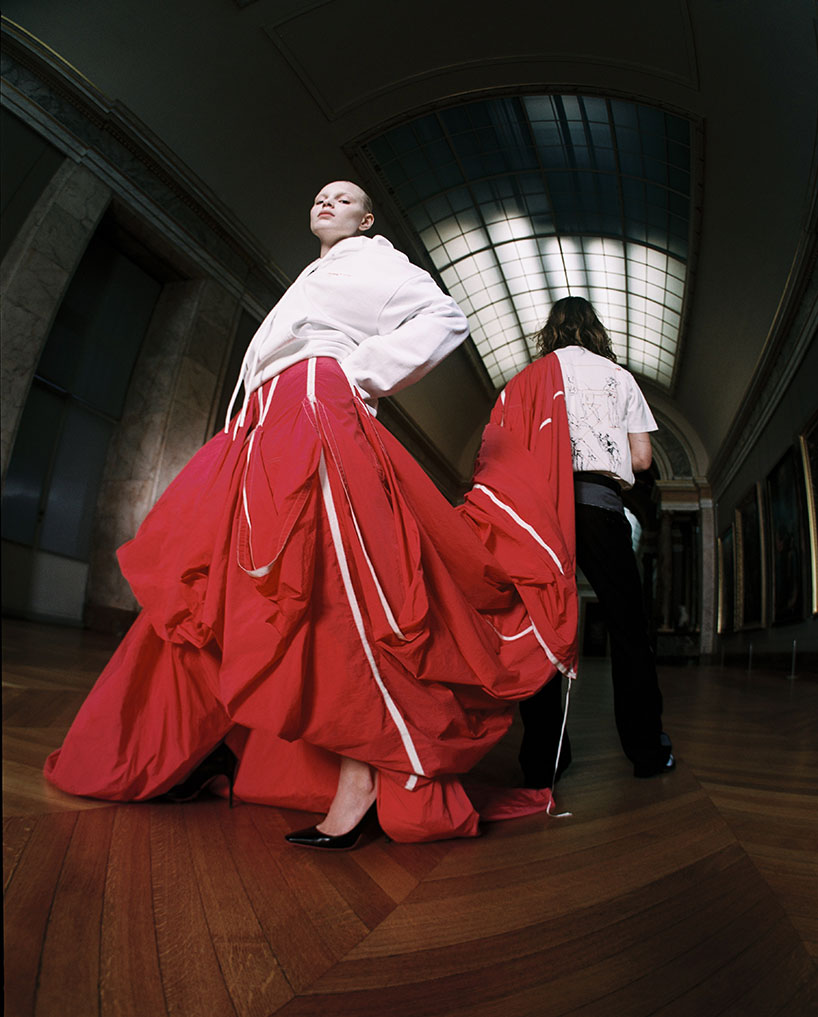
[(264, 409), (245, 372), (232, 402)]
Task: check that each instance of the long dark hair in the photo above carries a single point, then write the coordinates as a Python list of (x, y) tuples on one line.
[(573, 322)]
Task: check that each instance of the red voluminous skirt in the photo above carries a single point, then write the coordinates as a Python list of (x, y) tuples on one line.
[(307, 593)]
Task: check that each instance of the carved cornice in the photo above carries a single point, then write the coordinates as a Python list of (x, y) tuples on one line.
[(793, 329), (61, 104)]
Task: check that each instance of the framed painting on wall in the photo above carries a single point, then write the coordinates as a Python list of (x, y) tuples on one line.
[(726, 582), (809, 457), (751, 565), (786, 497)]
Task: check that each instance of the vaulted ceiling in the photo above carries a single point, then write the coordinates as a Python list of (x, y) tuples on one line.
[(264, 100)]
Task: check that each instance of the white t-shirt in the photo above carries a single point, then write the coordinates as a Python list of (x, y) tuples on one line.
[(604, 406)]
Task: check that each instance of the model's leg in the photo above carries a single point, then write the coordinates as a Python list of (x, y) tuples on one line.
[(355, 794), (542, 723), (605, 555)]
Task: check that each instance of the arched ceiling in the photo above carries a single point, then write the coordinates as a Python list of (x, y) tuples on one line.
[(265, 99), (522, 200)]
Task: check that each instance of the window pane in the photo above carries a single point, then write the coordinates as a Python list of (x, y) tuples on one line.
[(30, 462), (72, 496), (561, 173), (99, 328)]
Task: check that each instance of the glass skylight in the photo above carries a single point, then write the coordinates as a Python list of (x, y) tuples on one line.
[(521, 201)]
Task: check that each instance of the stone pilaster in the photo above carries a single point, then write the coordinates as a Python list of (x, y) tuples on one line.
[(168, 416), (34, 276), (709, 612)]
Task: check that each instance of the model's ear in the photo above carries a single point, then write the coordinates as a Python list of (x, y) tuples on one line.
[(366, 222)]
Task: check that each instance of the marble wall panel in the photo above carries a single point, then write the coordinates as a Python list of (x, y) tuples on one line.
[(218, 306), (175, 385), (129, 484), (122, 506), (34, 276), (208, 348)]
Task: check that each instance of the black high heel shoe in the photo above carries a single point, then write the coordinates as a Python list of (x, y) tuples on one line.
[(222, 762), (311, 837)]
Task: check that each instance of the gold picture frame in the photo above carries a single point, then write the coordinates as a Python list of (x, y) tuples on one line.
[(726, 568), (751, 561), (808, 445), (787, 530)]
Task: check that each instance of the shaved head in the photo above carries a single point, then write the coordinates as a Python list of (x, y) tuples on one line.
[(356, 189)]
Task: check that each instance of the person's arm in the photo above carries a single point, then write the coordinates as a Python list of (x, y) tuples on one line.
[(418, 327), (641, 450)]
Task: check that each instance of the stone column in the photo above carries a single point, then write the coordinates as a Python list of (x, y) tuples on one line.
[(666, 569), (709, 610), (167, 418), (34, 276)]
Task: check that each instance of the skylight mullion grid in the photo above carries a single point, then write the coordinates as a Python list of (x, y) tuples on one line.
[(615, 231), (520, 340), (625, 341)]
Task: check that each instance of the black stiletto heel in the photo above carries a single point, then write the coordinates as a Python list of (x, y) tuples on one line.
[(222, 762), (311, 837)]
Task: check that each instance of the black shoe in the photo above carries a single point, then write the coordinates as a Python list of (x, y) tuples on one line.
[(221, 762), (312, 837), (646, 770)]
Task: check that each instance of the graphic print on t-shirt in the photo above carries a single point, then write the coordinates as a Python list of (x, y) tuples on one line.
[(593, 445)]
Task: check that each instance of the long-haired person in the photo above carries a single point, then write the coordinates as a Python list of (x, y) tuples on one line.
[(318, 625), (609, 422)]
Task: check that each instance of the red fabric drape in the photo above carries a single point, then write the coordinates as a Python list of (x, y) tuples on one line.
[(307, 592)]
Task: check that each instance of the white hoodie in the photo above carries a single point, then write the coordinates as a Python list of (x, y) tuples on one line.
[(366, 305)]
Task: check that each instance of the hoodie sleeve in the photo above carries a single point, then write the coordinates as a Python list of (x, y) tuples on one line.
[(417, 327)]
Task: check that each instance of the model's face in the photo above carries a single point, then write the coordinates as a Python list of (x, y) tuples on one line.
[(338, 212)]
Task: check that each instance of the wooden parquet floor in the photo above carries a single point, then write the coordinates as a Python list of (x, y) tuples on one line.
[(691, 895)]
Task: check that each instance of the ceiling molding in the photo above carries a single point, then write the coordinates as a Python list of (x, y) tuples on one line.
[(793, 329), (48, 94), (326, 69)]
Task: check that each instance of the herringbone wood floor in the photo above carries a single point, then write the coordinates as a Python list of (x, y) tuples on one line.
[(686, 896)]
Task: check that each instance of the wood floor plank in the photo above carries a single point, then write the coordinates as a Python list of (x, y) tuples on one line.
[(672, 971), (16, 832), (544, 839), (54, 707), (752, 981), (28, 905), (192, 981), (69, 970), (688, 896), (781, 978), (252, 974), (370, 902), (559, 959), (130, 979), (419, 860), (309, 922), (25, 790), (804, 1002), (575, 880), (384, 868), (719, 885)]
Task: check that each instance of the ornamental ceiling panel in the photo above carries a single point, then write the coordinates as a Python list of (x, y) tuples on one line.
[(335, 47)]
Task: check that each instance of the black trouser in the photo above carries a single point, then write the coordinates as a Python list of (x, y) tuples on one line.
[(605, 555), (542, 723)]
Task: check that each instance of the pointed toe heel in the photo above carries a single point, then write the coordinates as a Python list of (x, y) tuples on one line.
[(312, 837)]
